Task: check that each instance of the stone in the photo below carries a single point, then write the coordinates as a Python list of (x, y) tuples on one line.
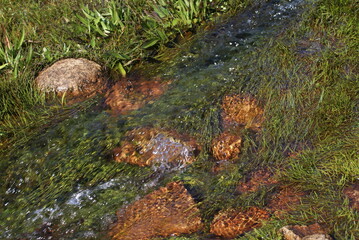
[(77, 77), (242, 110), (285, 200), (233, 222), (156, 147), (310, 232), (226, 146), (131, 94), (168, 211), (352, 193), (256, 179)]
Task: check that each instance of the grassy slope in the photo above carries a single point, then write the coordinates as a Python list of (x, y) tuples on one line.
[(309, 86)]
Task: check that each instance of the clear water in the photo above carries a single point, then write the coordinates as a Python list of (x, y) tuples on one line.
[(65, 176)]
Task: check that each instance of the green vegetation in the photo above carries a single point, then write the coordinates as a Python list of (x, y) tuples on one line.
[(117, 34), (306, 79)]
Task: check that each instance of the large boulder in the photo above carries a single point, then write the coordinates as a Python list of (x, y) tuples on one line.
[(156, 147), (80, 78), (233, 222), (165, 212)]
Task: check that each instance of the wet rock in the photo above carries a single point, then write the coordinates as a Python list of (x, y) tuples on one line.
[(226, 146), (242, 110), (156, 147), (285, 200), (76, 77), (233, 222), (131, 94), (352, 192), (46, 231), (311, 232), (167, 211), (256, 179)]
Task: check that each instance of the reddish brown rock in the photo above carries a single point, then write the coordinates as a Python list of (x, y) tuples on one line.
[(261, 177), (155, 147), (285, 200), (233, 222), (311, 232), (77, 78), (131, 94), (167, 211), (352, 192), (226, 146), (243, 110)]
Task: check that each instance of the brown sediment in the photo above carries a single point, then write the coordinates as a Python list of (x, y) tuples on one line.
[(285, 200)]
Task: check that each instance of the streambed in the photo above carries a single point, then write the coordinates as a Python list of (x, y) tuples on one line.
[(64, 182)]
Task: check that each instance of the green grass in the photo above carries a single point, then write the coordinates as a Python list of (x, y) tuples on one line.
[(310, 95), (117, 34), (306, 79)]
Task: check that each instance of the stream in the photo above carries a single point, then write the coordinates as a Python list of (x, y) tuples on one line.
[(64, 184)]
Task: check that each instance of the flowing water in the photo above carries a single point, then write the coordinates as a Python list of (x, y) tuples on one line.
[(63, 182)]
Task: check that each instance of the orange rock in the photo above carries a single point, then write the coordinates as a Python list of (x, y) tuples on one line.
[(233, 222), (131, 94), (152, 147), (243, 110), (261, 177), (352, 192), (167, 211), (226, 146)]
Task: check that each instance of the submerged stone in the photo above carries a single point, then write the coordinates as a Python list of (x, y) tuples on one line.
[(131, 94), (310, 232), (233, 222), (226, 146), (165, 212), (157, 148), (242, 110), (79, 78)]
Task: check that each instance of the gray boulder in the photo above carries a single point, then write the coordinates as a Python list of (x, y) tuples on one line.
[(75, 77)]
